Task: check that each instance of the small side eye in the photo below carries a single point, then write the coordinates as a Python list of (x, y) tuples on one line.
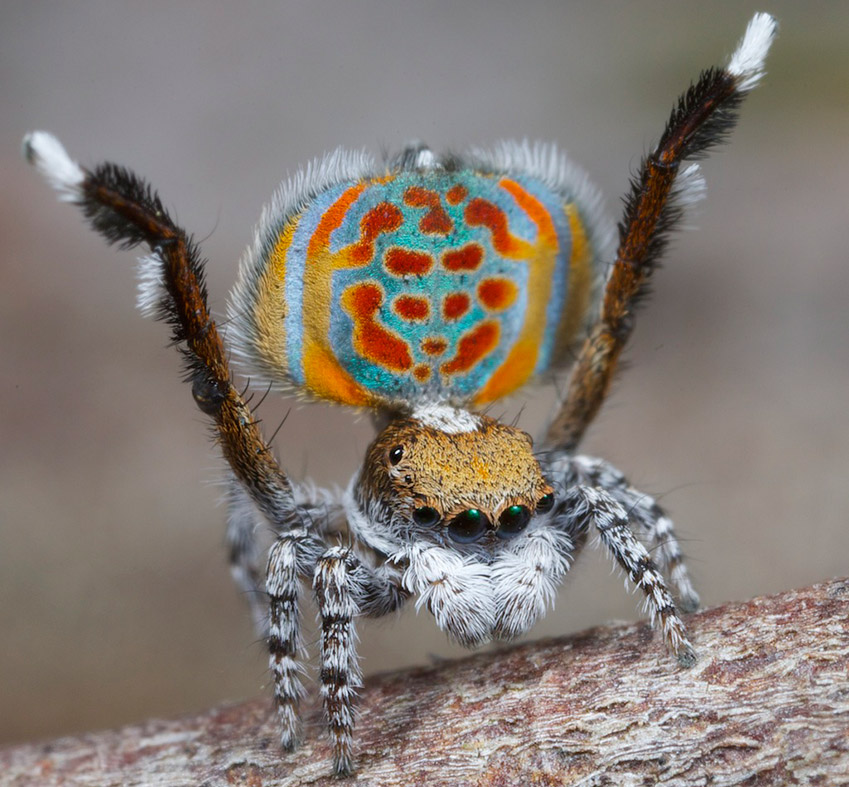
[(426, 516), (513, 520), (468, 526), (395, 454), (545, 503)]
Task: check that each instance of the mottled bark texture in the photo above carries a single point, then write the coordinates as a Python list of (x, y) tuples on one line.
[(767, 704)]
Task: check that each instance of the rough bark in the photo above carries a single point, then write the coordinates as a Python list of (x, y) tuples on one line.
[(767, 704)]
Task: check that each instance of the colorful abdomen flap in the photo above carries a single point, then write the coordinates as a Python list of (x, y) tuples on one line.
[(420, 285)]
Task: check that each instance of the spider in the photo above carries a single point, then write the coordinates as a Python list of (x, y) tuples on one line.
[(423, 289)]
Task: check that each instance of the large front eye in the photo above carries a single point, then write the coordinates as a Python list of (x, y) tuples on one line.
[(426, 516), (513, 520), (468, 526), (395, 454)]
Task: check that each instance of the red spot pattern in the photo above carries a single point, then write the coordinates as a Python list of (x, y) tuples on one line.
[(467, 258), (411, 308), (434, 346), (362, 301), (384, 217), (455, 305), (422, 373), (456, 194), (403, 262), (482, 213), (472, 347), (436, 221), (497, 294)]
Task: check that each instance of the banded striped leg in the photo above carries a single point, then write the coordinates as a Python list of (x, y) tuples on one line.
[(319, 510), (644, 510), (344, 588), (289, 560), (704, 116), (611, 521)]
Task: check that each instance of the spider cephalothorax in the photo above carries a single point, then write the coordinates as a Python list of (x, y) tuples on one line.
[(422, 289), (459, 479)]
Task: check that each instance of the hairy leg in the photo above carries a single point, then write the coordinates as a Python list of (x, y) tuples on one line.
[(705, 115), (290, 560), (644, 511), (591, 504), (245, 552), (126, 211), (346, 587)]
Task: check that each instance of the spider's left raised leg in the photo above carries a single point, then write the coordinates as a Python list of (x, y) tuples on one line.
[(126, 211)]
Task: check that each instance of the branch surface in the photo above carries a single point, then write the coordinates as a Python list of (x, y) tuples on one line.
[(767, 704)]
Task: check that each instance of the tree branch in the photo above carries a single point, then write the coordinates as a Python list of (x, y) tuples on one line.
[(767, 703)]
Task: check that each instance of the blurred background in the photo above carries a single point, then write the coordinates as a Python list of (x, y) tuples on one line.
[(115, 598)]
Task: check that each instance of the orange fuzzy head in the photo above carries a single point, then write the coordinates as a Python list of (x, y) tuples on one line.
[(465, 477)]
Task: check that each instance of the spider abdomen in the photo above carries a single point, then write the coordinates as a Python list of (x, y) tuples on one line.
[(436, 283)]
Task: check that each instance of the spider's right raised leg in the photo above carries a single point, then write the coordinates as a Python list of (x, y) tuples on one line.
[(704, 116)]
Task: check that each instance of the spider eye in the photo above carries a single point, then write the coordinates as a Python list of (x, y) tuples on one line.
[(426, 516), (545, 503), (513, 520), (468, 526), (395, 454)]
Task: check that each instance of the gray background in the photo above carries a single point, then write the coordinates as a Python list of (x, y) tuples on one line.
[(115, 599)]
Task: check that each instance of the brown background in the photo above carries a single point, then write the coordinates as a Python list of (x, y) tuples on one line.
[(115, 600)]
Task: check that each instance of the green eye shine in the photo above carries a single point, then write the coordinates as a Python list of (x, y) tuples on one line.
[(513, 520), (545, 504), (468, 526)]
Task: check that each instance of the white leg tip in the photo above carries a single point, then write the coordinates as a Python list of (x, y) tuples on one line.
[(747, 62), (49, 157)]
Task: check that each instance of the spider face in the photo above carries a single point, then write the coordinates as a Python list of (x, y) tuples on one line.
[(427, 286), (454, 478)]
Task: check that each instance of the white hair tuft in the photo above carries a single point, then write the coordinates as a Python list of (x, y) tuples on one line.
[(46, 153), (151, 284), (747, 62)]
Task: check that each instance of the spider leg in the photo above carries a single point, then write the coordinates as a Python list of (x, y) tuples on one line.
[(704, 116), (644, 511), (290, 559), (345, 587), (321, 513), (126, 211), (587, 503), (243, 549)]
